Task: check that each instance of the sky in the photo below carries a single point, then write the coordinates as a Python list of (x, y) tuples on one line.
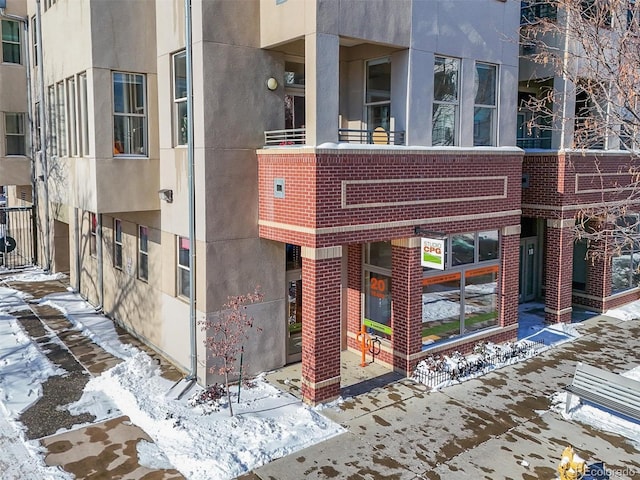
[(201, 441)]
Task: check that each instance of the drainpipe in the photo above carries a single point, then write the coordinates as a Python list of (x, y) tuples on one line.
[(193, 375), (76, 227), (43, 139), (99, 253)]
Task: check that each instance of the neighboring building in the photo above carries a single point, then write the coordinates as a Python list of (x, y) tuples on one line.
[(330, 138), (564, 175)]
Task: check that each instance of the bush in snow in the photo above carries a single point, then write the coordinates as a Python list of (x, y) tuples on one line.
[(227, 333)]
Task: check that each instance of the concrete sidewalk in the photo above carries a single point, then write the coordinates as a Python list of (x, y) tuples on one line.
[(493, 427), (496, 426), (85, 448)]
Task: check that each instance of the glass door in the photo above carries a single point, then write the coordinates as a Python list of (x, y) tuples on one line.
[(294, 315), (528, 269)]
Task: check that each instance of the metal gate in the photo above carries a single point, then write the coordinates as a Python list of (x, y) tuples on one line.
[(17, 237)]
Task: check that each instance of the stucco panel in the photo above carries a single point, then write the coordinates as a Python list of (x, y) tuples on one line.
[(236, 267), (453, 28), (231, 22), (124, 26), (382, 21), (13, 99), (237, 106), (229, 194)]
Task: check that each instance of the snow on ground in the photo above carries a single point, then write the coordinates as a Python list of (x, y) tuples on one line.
[(600, 418), (201, 441)]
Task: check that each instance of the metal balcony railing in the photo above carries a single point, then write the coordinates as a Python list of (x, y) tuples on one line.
[(526, 143), (297, 136), (289, 137), (371, 137)]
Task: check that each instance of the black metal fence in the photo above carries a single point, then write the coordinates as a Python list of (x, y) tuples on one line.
[(436, 370), (17, 237)]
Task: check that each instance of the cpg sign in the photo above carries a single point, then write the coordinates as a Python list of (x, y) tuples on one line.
[(432, 253)]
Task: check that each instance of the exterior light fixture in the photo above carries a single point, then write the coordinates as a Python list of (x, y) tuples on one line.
[(166, 195), (272, 83)]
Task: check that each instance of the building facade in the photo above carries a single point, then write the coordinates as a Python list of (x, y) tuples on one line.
[(336, 148)]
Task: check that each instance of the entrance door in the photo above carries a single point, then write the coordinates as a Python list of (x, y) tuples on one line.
[(528, 269), (294, 315)]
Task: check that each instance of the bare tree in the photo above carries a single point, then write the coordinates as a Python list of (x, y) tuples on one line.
[(593, 48), (226, 334)]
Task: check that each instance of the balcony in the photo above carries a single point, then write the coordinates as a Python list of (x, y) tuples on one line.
[(534, 143), (297, 137)]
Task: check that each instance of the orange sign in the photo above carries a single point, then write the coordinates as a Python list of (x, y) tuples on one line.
[(378, 287), (441, 279), (481, 271)]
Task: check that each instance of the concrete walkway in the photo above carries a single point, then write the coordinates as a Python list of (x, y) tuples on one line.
[(498, 426), (494, 427), (87, 449)]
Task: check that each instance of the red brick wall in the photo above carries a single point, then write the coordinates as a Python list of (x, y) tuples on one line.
[(321, 332), (558, 272), (406, 316), (314, 188), (508, 280), (569, 179), (354, 296)]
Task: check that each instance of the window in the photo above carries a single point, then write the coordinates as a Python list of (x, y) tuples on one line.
[(37, 126), (15, 137), (53, 121), (184, 267), (485, 110), (117, 243), (590, 123), (464, 298), (378, 94), (83, 114), (596, 12), (73, 117), (10, 42), (34, 40), (377, 291), (446, 77), (294, 106), (129, 114), (533, 10), (625, 265), (143, 253), (93, 237), (180, 98), (61, 116), (294, 74)]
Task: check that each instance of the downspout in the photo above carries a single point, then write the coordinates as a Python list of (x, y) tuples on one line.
[(99, 253), (43, 139), (193, 374)]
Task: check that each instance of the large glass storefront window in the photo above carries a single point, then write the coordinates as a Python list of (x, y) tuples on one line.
[(625, 267), (441, 307), (480, 299), (377, 288), (464, 298), (377, 310)]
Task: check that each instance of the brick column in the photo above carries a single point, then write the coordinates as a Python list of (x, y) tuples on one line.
[(406, 313), (354, 293), (321, 274), (559, 270), (509, 275)]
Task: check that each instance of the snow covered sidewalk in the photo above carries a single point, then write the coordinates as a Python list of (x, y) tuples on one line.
[(198, 442)]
